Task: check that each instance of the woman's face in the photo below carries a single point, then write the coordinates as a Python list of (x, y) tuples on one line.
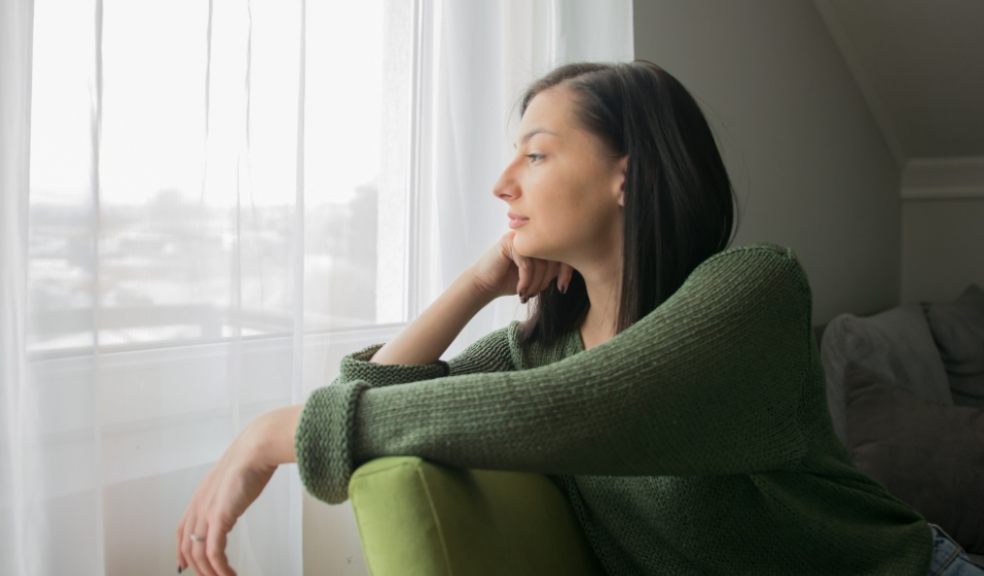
[(563, 188)]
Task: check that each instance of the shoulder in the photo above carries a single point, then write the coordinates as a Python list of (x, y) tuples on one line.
[(752, 261), (753, 281), (758, 250)]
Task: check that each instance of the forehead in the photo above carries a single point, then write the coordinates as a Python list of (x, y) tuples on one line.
[(550, 109)]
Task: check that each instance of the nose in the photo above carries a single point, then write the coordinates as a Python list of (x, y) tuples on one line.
[(506, 188)]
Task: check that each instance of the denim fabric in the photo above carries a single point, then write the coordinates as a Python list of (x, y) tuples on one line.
[(949, 558)]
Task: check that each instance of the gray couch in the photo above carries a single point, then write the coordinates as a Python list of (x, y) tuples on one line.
[(905, 388)]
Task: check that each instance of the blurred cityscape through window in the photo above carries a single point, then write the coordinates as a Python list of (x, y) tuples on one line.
[(189, 182)]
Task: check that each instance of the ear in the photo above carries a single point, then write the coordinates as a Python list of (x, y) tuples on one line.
[(621, 168)]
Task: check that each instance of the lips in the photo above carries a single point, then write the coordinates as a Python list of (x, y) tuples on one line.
[(515, 220)]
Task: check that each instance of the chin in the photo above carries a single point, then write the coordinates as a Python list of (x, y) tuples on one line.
[(524, 247), (532, 249)]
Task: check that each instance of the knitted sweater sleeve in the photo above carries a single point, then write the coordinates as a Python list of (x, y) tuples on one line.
[(491, 353), (707, 383)]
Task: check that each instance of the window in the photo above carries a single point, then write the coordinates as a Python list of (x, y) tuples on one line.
[(190, 184), (206, 217)]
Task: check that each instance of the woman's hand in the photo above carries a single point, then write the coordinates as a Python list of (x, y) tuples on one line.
[(235, 481), (221, 498), (501, 271)]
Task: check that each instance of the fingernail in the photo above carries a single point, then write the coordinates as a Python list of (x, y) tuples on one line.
[(523, 299), (179, 569), (563, 289)]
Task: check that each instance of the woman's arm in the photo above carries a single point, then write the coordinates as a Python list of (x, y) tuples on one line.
[(707, 383), (427, 337), (500, 271), (268, 441)]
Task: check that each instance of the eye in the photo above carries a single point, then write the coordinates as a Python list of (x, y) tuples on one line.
[(534, 157)]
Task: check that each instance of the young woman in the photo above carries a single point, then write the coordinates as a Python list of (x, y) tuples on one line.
[(669, 384)]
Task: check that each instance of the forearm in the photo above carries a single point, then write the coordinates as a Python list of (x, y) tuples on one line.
[(271, 436), (426, 338), (709, 382)]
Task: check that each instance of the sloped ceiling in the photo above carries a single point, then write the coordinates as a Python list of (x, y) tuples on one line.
[(920, 66)]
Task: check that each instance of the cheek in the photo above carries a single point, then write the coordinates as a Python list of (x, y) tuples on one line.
[(567, 212), (585, 222), (575, 211), (566, 225)]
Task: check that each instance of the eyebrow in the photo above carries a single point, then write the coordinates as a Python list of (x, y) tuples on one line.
[(533, 133)]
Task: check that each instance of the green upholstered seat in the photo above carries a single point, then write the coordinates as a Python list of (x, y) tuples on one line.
[(417, 517)]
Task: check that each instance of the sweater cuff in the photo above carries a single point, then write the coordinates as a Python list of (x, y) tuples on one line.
[(323, 441), (357, 366)]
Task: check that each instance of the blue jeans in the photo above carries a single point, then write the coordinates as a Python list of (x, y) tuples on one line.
[(949, 558)]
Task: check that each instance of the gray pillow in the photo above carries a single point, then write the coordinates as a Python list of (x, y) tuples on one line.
[(895, 344), (929, 455), (958, 328)]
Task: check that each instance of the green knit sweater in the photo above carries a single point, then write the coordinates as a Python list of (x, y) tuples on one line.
[(696, 441)]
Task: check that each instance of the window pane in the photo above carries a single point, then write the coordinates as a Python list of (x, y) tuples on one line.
[(162, 272), (189, 228), (357, 162), (61, 248)]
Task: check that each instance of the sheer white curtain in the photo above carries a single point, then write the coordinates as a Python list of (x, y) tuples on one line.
[(204, 205), (15, 107), (479, 57), (212, 191)]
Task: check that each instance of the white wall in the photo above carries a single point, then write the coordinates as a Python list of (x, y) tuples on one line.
[(809, 165), (942, 228)]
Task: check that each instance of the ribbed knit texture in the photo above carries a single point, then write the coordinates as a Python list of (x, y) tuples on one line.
[(696, 441)]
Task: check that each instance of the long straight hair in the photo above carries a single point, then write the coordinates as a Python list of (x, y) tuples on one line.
[(678, 204)]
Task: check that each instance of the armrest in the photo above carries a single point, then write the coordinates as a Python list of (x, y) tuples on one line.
[(417, 517)]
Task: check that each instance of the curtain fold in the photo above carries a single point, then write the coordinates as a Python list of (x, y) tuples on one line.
[(17, 547), (203, 206)]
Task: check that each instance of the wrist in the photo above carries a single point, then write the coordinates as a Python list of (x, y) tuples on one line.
[(480, 293), (269, 438)]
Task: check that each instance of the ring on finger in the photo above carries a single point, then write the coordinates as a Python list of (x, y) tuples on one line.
[(196, 538)]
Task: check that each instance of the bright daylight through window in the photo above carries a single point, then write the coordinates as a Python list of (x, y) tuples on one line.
[(190, 183)]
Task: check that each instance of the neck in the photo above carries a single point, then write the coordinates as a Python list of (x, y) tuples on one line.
[(603, 283), (601, 268)]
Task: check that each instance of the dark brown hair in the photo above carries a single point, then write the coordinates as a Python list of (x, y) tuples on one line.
[(679, 206)]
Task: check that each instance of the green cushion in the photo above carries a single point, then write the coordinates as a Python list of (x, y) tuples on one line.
[(417, 517)]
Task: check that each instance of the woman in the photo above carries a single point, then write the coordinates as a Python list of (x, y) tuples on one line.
[(670, 385)]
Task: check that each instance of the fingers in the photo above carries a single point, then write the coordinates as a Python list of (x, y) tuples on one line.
[(564, 278), (188, 526), (552, 273), (185, 542), (535, 276), (549, 272), (215, 551), (538, 275), (199, 548), (524, 265), (180, 538)]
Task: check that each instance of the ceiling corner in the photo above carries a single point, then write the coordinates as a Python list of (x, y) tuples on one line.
[(842, 40)]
